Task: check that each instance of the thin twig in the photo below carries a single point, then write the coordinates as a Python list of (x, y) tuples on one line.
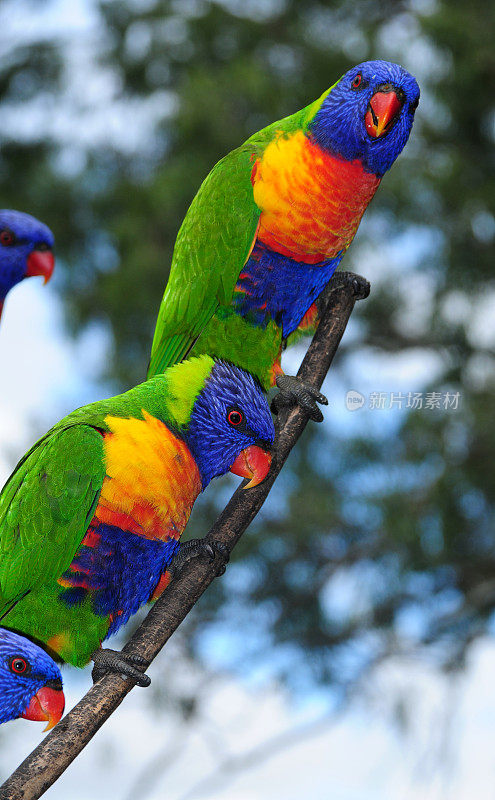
[(57, 751)]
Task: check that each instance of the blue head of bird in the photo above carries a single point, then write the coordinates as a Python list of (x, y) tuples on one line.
[(231, 427), (30, 681), (26, 249), (368, 115)]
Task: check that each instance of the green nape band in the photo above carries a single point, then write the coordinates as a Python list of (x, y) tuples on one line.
[(184, 383)]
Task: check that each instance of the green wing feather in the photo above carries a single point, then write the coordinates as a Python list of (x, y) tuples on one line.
[(212, 246), (46, 507)]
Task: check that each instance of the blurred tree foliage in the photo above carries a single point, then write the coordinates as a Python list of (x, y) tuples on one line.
[(370, 543)]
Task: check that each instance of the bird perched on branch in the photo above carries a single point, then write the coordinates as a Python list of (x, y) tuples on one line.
[(26, 250), (272, 221), (30, 682), (91, 517)]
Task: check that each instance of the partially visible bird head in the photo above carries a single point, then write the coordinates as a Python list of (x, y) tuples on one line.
[(226, 421), (368, 115), (26, 249), (30, 681)]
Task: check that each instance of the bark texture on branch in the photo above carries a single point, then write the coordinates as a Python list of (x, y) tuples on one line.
[(60, 747)]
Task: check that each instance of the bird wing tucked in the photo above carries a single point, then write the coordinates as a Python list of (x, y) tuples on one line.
[(46, 507), (212, 246)]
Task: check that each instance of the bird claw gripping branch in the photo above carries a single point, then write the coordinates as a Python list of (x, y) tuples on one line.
[(359, 285), (195, 548), (295, 391), (106, 660)]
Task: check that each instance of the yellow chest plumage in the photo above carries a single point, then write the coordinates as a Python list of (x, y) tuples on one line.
[(311, 202), (151, 479)]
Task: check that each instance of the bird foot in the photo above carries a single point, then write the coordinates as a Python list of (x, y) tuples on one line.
[(294, 391), (106, 660), (359, 285), (195, 548)]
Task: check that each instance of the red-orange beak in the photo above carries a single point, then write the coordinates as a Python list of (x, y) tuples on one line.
[(383, 111), (47, 705), (253, 463), (40, 262)]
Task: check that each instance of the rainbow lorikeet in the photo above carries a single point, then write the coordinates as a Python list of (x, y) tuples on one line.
[(272, 221), (30, 681), (26, 247), (91, 517)]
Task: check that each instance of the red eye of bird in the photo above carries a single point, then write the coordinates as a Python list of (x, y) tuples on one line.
[(18, 665), (356, 81), (235, 418), (6, 237)]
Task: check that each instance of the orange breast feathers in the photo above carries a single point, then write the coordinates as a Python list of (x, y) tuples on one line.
[(152, 479), (311, 202)]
